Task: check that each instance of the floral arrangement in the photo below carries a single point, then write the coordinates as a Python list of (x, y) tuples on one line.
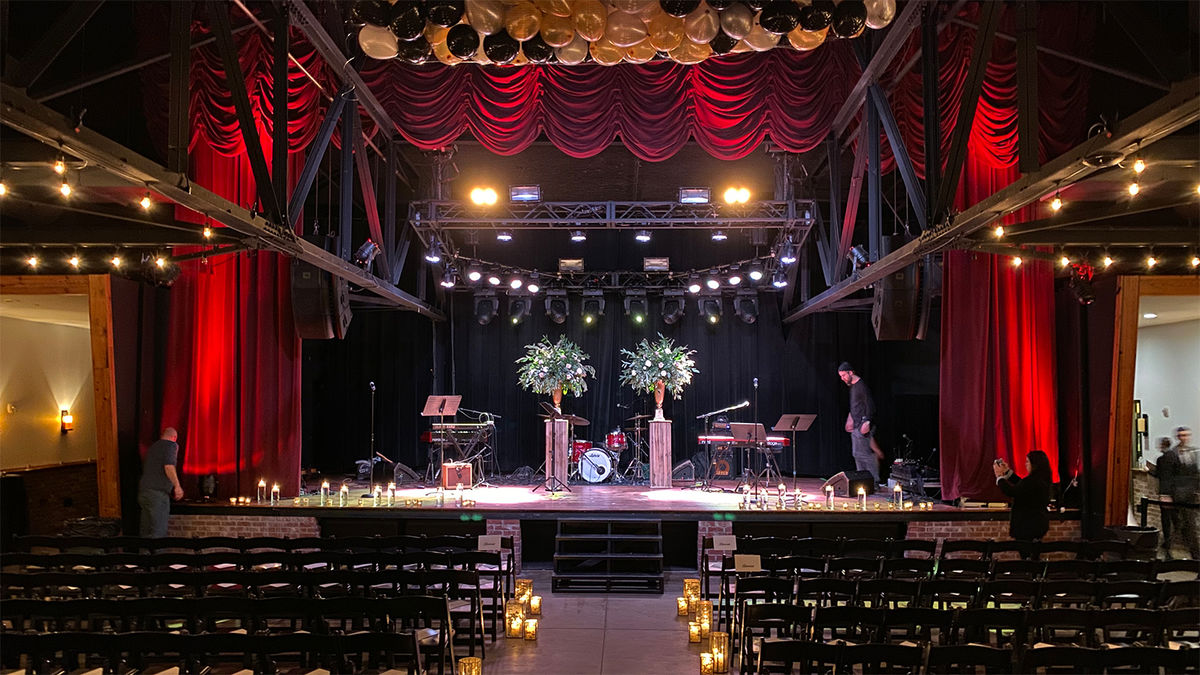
[(659, 361), (548, 367)]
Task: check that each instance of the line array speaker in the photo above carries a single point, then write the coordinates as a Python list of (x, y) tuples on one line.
[(320, 303)]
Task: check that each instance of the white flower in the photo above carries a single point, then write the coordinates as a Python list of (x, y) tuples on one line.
[(648, 364)]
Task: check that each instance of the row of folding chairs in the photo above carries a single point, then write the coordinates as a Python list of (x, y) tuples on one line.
[(1098, 549), (786, 655), (363, 652), (133, 544)]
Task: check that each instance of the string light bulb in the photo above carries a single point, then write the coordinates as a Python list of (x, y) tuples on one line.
[(1139, 165), (1151, 261), (32, 261), (1064, 260), (74, 261), (1016, 261), (1108, 261), (1195, 261), (3, 188), (1056, 203), (65, 188), (160, 261), (1134, 188), (208, 233), (145, 202), (999, 231), (60, 166), (116, 261)]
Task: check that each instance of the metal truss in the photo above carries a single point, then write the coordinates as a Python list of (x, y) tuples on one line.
[(455, 215)]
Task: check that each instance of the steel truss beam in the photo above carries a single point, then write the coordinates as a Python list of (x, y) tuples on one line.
[(455, 215), (618, 281), (1170, 113), (897, 35), (21, 113), (1112, 235)]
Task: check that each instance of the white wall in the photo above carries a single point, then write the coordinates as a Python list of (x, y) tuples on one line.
[(1168, 376), (44, 368)]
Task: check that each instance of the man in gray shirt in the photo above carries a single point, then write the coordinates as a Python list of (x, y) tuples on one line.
[(1179, 481), (159, 483), (858, 423)]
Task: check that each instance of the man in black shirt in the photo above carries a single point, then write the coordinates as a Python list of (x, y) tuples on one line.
[(858, 422), (159, 483)]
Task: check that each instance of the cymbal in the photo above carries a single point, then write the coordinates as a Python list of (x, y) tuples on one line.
[(638, 417), (634, 430), (576, 420)]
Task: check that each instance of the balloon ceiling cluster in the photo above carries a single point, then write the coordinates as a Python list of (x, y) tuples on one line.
[(607, 32)]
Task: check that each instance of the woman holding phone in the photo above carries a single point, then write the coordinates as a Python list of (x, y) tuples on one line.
[(1030, 495)]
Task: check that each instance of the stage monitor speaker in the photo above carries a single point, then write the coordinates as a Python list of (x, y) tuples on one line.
[(846, 483), (403, 474), (897, 305), (320, 303), (684, 470)]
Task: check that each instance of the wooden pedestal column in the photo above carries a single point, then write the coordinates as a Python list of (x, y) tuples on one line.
[(559, 451), (660, 453)]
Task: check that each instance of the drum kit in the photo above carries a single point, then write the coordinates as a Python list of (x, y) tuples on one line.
[(600, 463)]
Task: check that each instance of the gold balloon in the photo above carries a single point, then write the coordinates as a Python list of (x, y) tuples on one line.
[(880, 13), (624, 30), (641, 52), (574, 52), (377, 42), (557, 31), (649, 11), (737, 20), (606, 53), (442, 52), (807, 40), (701, 25), (666, 32), (555, 7), (759, 39), (590, 18), (741, 48), (627, 6), (691, 53), (522, 21), (519, 60), (436, 34), (485, 16)]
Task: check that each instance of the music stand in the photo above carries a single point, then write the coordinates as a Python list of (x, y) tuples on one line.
[(793, 423), (552, 483), (751, 434), (440, 406)]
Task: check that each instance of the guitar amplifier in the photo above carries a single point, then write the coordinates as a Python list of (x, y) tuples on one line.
[(455, 474)]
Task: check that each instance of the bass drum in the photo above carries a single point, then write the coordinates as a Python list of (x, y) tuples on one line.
[(596, 466)]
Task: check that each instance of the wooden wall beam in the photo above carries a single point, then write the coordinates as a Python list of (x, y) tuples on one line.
[(104, 381)]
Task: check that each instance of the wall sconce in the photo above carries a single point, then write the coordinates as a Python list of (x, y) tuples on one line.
[(66, 421)]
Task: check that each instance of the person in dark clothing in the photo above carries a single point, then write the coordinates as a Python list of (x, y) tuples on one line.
[(1177, 472), (1030, 495), (158, 484), (858, 423)]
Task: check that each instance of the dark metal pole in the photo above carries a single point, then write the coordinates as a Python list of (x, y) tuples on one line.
[(279, 113), (930, 66), (346, 181), (178, 130)]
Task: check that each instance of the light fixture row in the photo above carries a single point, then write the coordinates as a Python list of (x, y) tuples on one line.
[(593, 303), (485, 195), (78, 261)]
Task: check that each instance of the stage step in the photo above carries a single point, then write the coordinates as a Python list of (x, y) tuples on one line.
[(608, 556)]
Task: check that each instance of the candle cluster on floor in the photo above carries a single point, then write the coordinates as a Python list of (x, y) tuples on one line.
[(520, 610), (699, 615)]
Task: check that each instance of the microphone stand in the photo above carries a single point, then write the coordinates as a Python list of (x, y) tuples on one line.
[(371, 453), (758, 446)]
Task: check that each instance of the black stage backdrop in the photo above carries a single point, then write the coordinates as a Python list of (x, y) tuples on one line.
[(795, 365)]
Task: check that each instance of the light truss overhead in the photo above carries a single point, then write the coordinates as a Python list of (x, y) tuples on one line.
[(456, 215)]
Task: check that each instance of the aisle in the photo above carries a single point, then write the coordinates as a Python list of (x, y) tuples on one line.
[(589, 634)]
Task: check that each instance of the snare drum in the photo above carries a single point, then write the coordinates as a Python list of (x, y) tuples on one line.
[(577, 450), (615, 441)]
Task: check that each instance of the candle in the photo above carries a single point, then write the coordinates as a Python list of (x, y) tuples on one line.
[(829, 497), (262, 491), (691, 586), (693, 631), (897, 494), (295, 501), (706, 663), (376, 495), (535, 605), (704, 614), (470, 665), (343, 495), (514, 619), (439, 498), (233, 500), (705, 628), (325, 493), (692, 602), (391, 494), (275, 494), (531, 626), (718, 644), (682, 604), (862, 498), (523, 587)]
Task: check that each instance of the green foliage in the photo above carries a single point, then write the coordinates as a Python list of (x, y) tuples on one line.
[(548, 366), (658, 361)]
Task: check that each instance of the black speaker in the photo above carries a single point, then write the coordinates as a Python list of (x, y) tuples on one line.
[(403, 474), (897, 304), (846, 483), (320, 303), (684, 470)]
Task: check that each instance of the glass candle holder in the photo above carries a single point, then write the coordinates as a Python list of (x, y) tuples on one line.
[(343, 495), (862, 498), (531, 629), (693, 601), (897, 494), (829, 497), (274, 494), (325, 493), (706, 663), (681, 603), (261, 494), (514, 619), (470, 665), (523, 587), (693, 631), (535, 605), (233, 500), (718, 645), (691, 587), (376, 496)]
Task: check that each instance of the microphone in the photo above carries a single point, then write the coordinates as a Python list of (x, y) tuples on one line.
[(756, 383), (371, 385)]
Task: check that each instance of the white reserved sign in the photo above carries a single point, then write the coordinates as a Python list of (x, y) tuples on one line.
[(489, 542), (724, 542), (747, 562)]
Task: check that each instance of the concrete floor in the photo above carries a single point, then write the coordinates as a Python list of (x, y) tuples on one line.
[(594, 633)]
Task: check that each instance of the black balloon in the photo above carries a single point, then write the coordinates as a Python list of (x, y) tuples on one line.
[(849, 18), (501, 47), (719, 4), (679, 8), (407, 22), (757, 5), (722, 44), (816, 16), (415, 50), (780, 17), (446, 12), (536, 49), (462, 41), (374, 12)]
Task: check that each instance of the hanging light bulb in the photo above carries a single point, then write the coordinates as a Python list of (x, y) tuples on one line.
[(1195, 261), (116, 261), (1139, 165), (1108, 261), (1016, 261), (65, 188), (999, 231), (3, 188), (32, 261), (74, 261), (1056, 203), (1134, 188), (160, 261), (145, 202), (1151, 261), (60, 166), (208, 233), (1064, 260)]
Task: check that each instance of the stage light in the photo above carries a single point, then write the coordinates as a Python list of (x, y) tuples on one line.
[(642, 236), (593, 306), (779, 280), (32, 261), (858, 257), (737, 195), (787, 254), (635, 305), (712, 282), (474, 274), (745, 305), (60, 166), (719, 235), (116, 261), (1134, 188), (493, 279), (449, 278), (74, 261), (557, 307), (755, 273), (519, 307), (734, 278), (485, 196), (1056, 203), (486, 307), (145, 202), (504, 236), (208, 233), (65, 188), (672, 306), (1139, 165), (524, 193), (515, 283), (694, 195), (1016, 261), (533, 286), (434, 254), (693, 284), (578, 236), (710, 308), (999, 231), (366, 253)]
